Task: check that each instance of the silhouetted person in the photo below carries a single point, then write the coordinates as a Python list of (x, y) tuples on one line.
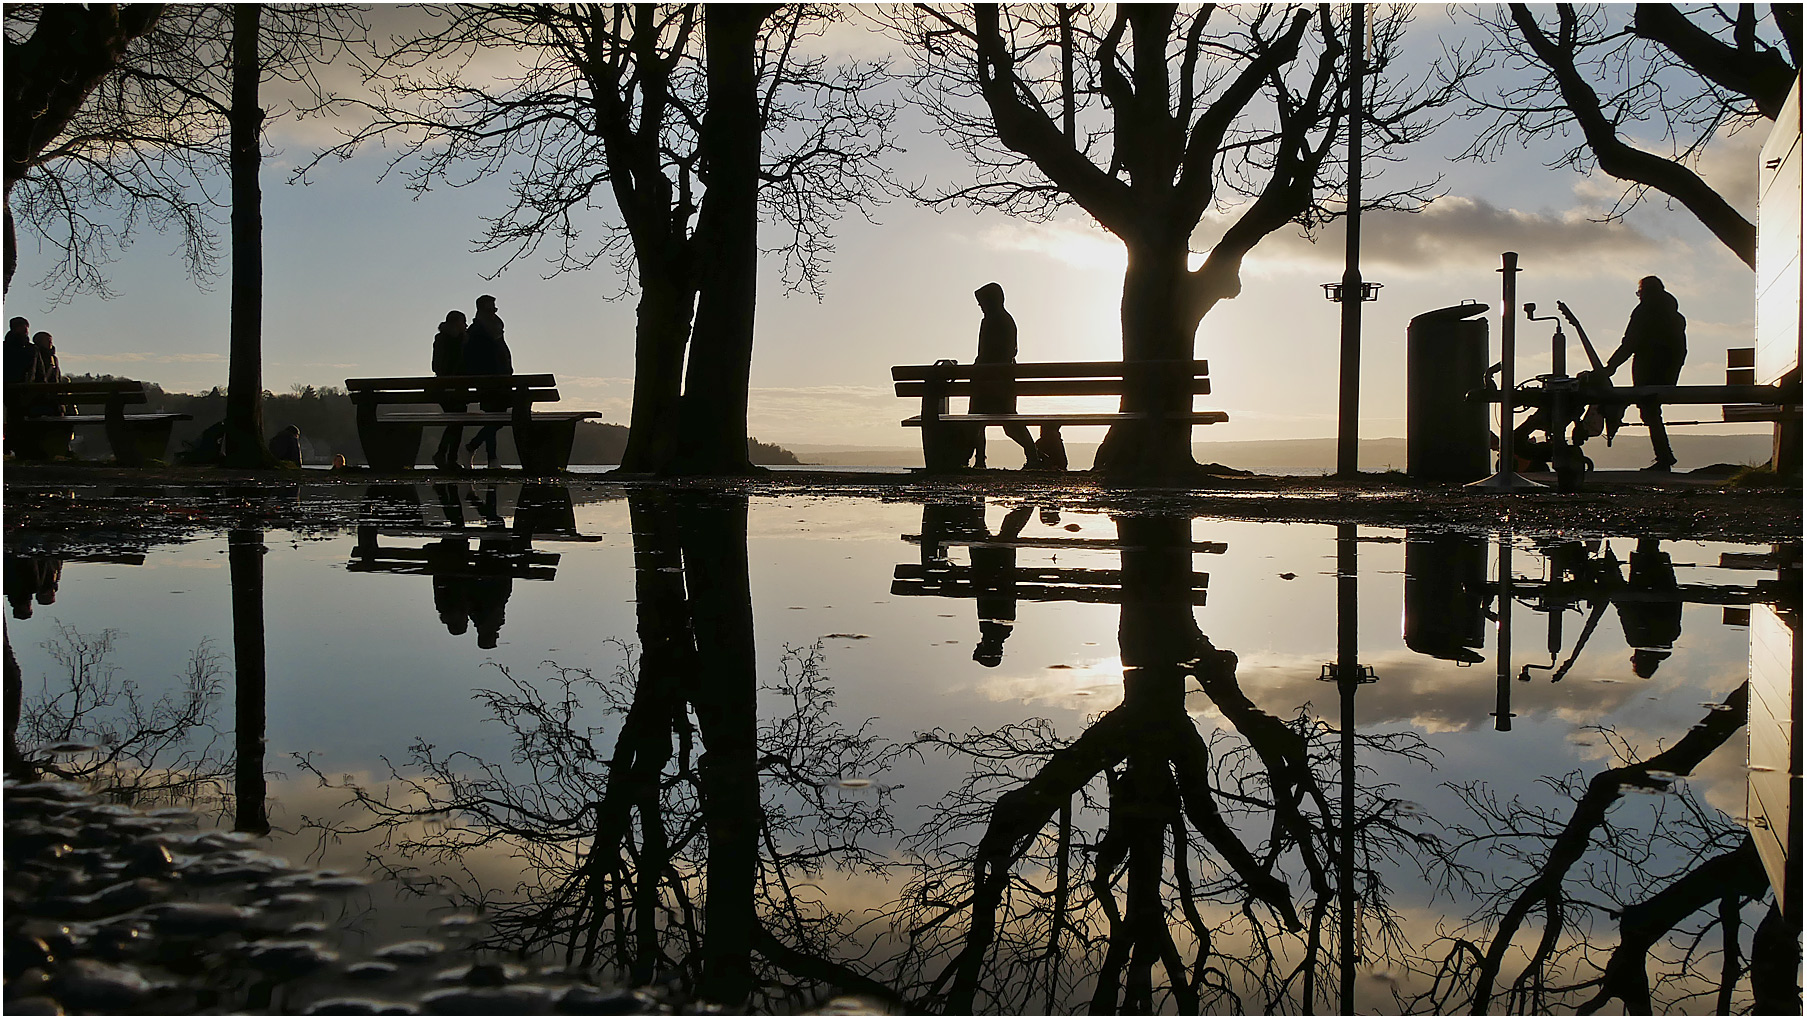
[(1051, 448), (46, 369), (448, 359), (20, 354), (1656, 342), (1651, 627), (997, 346), (994, 578), (286, 445), (485, 353)]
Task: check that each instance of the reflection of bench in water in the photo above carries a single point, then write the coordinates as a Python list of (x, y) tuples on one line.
[(1034, 584), (500, 554), (1106, 544)]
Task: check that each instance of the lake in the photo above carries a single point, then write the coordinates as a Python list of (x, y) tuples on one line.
[(962, 756)]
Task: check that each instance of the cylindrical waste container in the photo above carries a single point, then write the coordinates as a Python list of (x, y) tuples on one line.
[(1445, 358)]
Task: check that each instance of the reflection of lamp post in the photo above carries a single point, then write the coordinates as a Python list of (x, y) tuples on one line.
[(1349, 675)]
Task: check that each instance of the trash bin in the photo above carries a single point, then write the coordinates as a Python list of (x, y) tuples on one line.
[(1445, 358)]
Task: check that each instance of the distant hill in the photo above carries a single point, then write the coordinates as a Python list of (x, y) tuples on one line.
[(1318, 456), (329, 425)]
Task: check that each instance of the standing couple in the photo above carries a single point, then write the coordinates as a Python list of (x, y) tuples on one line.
[(476, 349)]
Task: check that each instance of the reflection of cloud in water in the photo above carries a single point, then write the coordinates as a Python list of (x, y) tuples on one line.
[(1081, 686)]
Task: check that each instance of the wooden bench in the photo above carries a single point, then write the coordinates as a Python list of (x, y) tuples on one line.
[(945, 436), (134, 438), (391, 438)]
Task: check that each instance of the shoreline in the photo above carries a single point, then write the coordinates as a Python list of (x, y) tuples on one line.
[(89, 500)]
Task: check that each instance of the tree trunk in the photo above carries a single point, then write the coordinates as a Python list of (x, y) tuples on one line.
[(244, 444), (1158, 325), (661, 331), (714, 422)]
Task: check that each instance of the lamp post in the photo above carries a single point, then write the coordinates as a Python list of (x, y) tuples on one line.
[(1348, 418)]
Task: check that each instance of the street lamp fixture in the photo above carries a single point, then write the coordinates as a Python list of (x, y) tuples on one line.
[(1334, 291)]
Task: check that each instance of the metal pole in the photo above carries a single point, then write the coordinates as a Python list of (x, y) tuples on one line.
[(1502, 648), (1506, 477), (1348, 417)]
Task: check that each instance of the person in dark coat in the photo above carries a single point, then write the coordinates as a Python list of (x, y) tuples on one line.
[(486, 353), (20, 354), (997, 346), (286, 445), (448, 359), (1656, 343)]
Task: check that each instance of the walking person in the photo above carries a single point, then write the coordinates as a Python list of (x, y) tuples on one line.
[(448, 359), (486, 353), (1656, 343), (997, 346)]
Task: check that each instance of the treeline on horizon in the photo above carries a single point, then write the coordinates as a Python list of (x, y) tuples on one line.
[(328, 422)]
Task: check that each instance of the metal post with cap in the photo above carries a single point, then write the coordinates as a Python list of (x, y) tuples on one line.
[(1505, 478)]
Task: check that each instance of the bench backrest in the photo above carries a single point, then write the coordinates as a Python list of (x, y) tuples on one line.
[(1046, 379), (452, 389), (113, 394)]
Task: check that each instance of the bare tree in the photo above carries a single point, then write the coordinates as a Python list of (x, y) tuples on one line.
[(182, 101), (1613, 72), (56, 56), (690, 122), (1159, 124)]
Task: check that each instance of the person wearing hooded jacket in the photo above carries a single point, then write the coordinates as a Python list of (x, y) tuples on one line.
[(1656, 343)]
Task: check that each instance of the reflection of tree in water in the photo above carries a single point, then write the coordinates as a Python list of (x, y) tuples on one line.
[(93, 723), (689, 843), (1670, 875), (1210, 885)]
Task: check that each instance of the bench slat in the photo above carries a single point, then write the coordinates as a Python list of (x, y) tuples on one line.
[(101, 419), (129, 392), (1045, 370), (1042, 387), (468, 396), (1099, 418), (476, 417), (417, 382)]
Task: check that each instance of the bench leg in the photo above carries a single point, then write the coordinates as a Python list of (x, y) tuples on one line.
[(138, 443), (946, 447), (39, 440), (390, 447), (545, 446)]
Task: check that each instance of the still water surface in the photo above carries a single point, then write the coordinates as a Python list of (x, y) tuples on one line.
[(963, 756)]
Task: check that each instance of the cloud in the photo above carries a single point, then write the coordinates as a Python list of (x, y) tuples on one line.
[(1454, 233), (1458, 233)]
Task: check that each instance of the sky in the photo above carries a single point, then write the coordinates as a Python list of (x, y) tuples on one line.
[(358, 273)]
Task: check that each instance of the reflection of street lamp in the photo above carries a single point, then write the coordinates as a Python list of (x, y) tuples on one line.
[(1370, 291)]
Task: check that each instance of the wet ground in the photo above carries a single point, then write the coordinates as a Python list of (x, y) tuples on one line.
[(108, 502)]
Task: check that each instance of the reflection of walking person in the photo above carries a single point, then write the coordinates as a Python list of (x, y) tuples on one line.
[(994, 579), (1656, 342), (997, 346)]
